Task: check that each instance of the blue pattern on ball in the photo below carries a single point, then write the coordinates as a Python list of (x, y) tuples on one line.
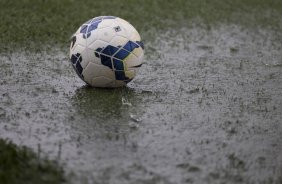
[(112, 57), (76, 59), (92, 24)]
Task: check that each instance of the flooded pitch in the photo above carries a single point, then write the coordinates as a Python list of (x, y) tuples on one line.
[(204, 108)]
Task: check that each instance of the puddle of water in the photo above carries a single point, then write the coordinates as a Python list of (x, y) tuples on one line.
[(205, 107)]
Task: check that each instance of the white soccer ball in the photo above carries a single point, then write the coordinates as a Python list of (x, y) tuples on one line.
[(106, 51)]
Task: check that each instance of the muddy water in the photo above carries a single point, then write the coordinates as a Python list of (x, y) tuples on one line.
[(205, 108)]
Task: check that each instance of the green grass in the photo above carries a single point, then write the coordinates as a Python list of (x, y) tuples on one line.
[(52, 22), (19, 165)]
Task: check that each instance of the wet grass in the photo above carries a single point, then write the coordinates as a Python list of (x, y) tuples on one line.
[(33, 23), (20, 165), (205, 107)]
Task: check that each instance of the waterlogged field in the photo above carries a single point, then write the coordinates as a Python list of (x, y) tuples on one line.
[(204, 108)]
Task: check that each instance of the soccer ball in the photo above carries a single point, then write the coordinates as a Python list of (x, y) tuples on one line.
[(106, 51)]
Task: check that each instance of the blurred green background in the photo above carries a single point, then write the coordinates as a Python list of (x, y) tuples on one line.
[(53, 22)]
